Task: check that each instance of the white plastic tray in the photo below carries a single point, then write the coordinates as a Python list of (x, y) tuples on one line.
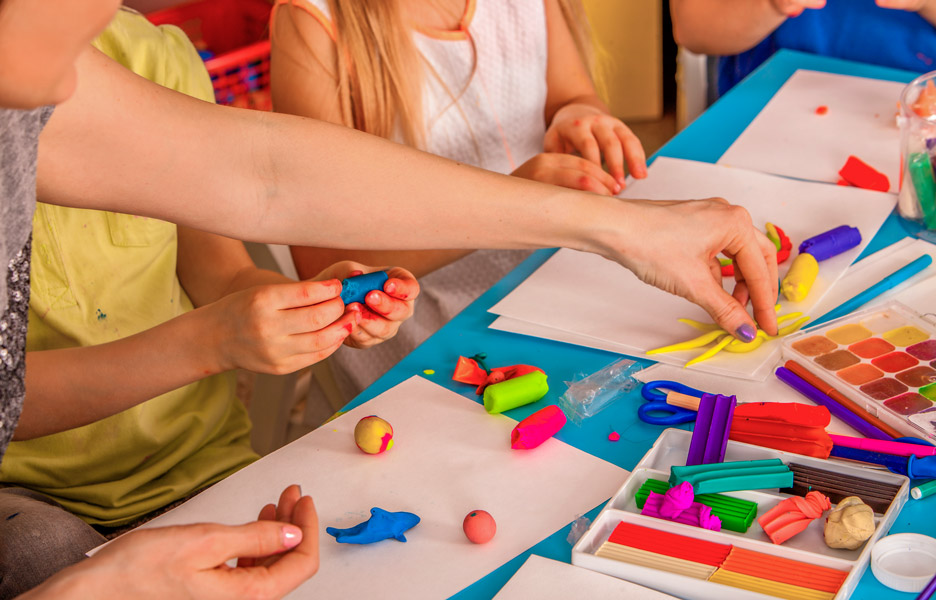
[(670, 449)]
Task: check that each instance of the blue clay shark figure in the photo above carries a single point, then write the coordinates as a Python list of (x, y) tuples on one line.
[(382, 525)]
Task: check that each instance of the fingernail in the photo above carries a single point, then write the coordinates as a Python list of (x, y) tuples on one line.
[(746, 333), (300, 489), (390, 287), (292, 535)]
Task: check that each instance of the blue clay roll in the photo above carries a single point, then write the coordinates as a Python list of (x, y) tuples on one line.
[(832, 242), (354, 289)]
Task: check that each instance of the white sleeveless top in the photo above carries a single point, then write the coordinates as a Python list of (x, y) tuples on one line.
[(498, 124)]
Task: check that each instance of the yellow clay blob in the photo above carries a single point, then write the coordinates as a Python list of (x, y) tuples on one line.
[(800, 278)]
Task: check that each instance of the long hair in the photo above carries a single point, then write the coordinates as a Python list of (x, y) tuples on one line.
[(380, 72)]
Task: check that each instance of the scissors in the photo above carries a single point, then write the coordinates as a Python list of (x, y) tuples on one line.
[(655, 394)]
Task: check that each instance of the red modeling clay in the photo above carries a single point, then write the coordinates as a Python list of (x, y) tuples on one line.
[(467, 370), (842, 182), (860, 174), (669, 544), (792, 515), (614, 436), (821, 110), (786, 426)]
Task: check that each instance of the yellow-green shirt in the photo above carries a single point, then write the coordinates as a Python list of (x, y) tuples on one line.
[(97, 277)]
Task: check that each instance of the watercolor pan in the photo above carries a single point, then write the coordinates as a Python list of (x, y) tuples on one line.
[(669, 559), (883, 358)]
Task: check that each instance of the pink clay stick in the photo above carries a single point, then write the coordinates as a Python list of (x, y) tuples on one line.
[(884, 446)]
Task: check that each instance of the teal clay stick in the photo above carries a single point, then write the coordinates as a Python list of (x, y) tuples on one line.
[(734, 476), (515, 392), (923, 490)]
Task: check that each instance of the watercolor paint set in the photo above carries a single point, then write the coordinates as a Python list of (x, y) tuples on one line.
[(882, 358), (740, 561)]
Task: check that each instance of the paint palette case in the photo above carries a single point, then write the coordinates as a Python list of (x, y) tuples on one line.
[(882, 358), (696, 565)]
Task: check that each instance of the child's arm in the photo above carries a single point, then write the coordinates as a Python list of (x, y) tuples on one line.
[(925, 8), (726, 27), (577, 119), (274, 329), (211, 267), (122, 143)]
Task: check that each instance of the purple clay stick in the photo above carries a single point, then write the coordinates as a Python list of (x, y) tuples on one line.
[(831, 243), (700, 433), (721, 428)]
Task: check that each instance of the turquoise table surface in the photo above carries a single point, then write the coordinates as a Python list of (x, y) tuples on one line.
[(706, 139)]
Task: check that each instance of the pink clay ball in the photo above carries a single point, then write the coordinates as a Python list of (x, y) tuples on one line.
[(479, 526)]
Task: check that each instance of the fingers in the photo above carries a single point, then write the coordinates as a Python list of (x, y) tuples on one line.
[(305, 293), (302, 561), (312, 318), (252, 540), (724, 309), (612, 150), (633, 150), (751, 263), (401, 284), (287, 502), (323, 342)]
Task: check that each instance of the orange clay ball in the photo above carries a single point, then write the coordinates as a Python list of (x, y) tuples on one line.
[(479, 526), (373, 435)]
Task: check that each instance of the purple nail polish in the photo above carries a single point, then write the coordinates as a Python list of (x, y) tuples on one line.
[(746, 333)]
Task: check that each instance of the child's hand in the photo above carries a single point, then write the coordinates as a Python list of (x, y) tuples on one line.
[(909, 5), (568, 171), (794, 8), (280, 328), (593, 134), (383, 311)]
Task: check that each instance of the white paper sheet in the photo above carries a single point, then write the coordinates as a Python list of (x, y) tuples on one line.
[(606, 306), (789, 138), (546, 579), (449, 457), (917, 293)]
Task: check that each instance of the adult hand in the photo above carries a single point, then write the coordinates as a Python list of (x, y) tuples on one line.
[(188, 562), (678, 253), (908, 5), (384, 310), (594, 134), (280, 328), (794, 8), (568, 171)]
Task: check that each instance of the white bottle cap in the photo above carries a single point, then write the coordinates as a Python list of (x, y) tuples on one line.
[(904, 561)]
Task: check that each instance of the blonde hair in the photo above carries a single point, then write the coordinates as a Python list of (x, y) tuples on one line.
[(380, 72)]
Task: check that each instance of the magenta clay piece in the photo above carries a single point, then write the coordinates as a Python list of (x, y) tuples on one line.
[(695, 514), (792, 515), (537, 428), (677, 499), (614, 436)]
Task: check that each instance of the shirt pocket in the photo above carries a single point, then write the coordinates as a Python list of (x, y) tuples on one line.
[(49, 284)]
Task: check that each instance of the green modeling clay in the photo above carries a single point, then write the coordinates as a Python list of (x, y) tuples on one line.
[(515, 392)]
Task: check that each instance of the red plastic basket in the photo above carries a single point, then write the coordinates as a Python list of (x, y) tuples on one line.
[(233, 37)]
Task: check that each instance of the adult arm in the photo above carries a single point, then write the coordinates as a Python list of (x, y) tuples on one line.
[(122, 143), (726, 27)]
